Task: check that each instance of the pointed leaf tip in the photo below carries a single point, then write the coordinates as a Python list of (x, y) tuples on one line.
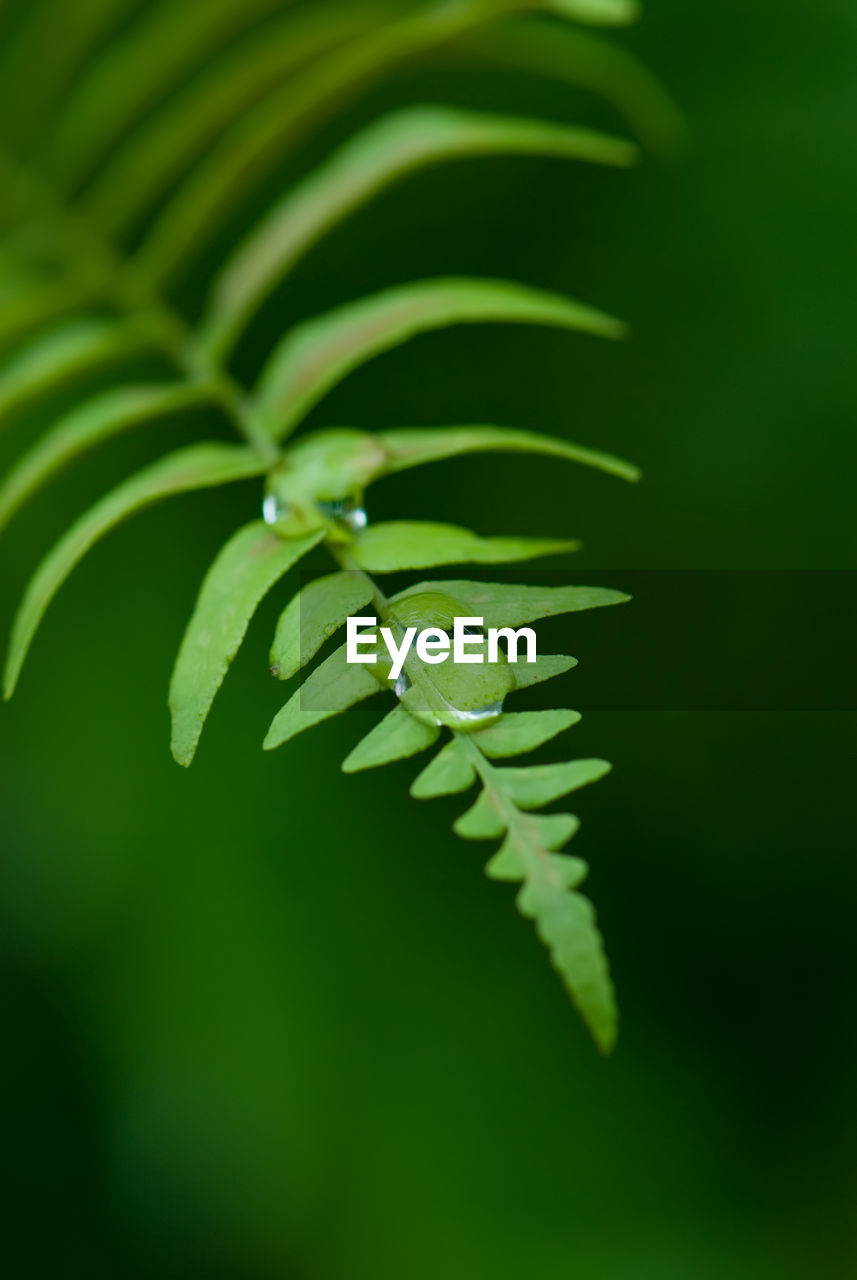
[(318, 354)]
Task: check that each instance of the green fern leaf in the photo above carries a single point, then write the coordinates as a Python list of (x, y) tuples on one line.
[(398, 736), (284, 119), (156, 54), (565, 922), (503, 604), (317, 355), (74, 348), (545, 667), (174, 116), (387, 151), (44, 304), (312, 616), (157, 154), (411, 544), (200, 466), (606, 13), (538, 785), (449, 773), (518, 732), (587, 61), (415, 446), (96, 420), (92, 22), (330, 689), (252, 561)]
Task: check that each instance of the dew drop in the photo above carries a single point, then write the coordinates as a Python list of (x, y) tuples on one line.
[(402, 685), (466, 698), (273, 509), (347, 512)]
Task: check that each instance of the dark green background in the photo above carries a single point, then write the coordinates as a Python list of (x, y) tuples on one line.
[(261, 1020)]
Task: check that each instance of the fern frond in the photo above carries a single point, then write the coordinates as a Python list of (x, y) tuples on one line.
[(176, 115), (504, 809), (286, 118)]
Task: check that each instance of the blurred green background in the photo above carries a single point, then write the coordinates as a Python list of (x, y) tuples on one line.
[(261, 1020)]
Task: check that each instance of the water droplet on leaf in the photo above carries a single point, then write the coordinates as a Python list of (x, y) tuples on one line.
[(347, 512), (273, 509)]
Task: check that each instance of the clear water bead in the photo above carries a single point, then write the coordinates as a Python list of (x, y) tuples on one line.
[(273, 509), (347, 512)]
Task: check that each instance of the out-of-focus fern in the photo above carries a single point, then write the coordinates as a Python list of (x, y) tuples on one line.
[(174, 113)]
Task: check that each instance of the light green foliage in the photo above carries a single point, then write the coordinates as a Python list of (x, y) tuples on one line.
[(244, 572), (413, 447), (587, 61), (317, 355), (398, 736), (449, 773), (520, 731), (409, 544), (503, 604), (96, 420), (60, 354), (607, 12), (332, 687), (200, 466), (385, 152), (175, 117), (312, 616)]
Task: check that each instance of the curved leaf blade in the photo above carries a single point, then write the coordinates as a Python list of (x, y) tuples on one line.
[(200, 466), (545, 667), (604, 13), (565, 923), (587, 61), (535, 786), (484, 820), (535, 834), (42, 305), (157, 155), (313, 615), (517, 732), (398, 736), (415, 446), (281, 121), (317, 355), (63, 353), (154, 55), (449, 773), (97, 420), (246, 569), (331, 688), (503, 604), (386, 152), (406, 544)]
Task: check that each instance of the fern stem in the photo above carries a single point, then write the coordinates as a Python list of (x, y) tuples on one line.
[(514, 817)]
